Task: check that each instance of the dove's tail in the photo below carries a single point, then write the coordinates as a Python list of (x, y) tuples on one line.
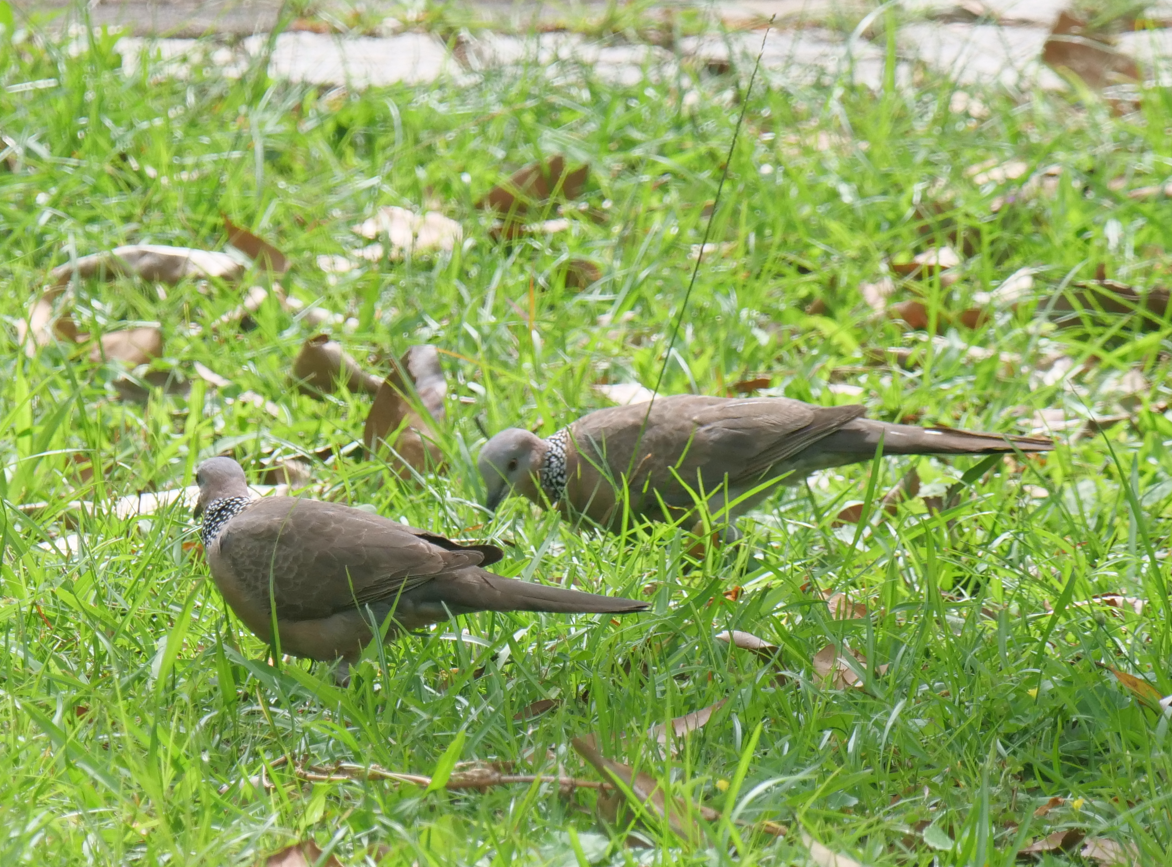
[(861, 437), (477, 590)]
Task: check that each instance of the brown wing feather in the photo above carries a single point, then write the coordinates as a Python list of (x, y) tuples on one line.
[(690, 437), (325, 557)]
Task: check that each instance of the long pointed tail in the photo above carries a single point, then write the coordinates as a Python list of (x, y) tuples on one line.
[(861, 437), (477, 590)]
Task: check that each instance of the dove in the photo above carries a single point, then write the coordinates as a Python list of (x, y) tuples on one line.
[(657, 461), (330, 577)]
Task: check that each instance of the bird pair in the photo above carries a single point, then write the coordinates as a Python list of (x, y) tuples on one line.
[(324, 579)]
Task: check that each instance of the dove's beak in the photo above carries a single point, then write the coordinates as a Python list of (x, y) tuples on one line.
[(494, 499)]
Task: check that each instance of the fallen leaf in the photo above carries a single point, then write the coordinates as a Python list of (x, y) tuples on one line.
[(1048, 806), (132, 347), (1095, 298), (1153, 192), (1073, 47), (842, 608), (242, 313), (994, 172), (409, 234), (825, 857), (1059, 841), (210, 376), (1114, 600), (138, 387), (713, 248), (648, 794), (153, 262), (1137, 686), (1110, 853), (336, 264), (625, 393), (35, 331), (305, 854), (286, 471), (322, 363), (536, 708), (877, 293), (932, 261), (533, 185), (748, 386), (510, 230), (264, 254), (914, 313), (581, 273), (393, 420), (832, 667), (682, 726), (905, 489), (749, 641)]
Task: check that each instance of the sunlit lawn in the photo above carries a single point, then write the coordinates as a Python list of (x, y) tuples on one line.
[(141, 724)]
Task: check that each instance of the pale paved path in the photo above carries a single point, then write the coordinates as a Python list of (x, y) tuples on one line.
[(809, 39)]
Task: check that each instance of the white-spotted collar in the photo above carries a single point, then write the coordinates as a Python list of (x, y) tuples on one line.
[(219, 512), (553, 468)]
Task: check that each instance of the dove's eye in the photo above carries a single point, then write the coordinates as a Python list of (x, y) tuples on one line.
[(512, 465)]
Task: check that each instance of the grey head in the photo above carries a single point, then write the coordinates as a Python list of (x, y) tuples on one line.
[(219, 479), (510, 463)]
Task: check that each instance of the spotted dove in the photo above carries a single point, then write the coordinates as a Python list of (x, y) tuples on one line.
[(330, 576), (729, 452)]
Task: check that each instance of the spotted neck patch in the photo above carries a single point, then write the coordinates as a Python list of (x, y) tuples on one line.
[(217, 513), (553, 468)]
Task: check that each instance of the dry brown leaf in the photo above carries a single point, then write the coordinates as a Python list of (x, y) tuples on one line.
[(682, 726), (914, 313), (1110, 853), (393, 420), (210, 376), (133, 346), (1153, 192), (825, 857), (1076, 49), (534, 184), (934, 260), (408, 233), (748, 386), (714, 248), (286, 471), (905, 489), (154, 262), (1114, 600), (322, 363), (877, 293), (749, 641), (1059, 841), (536, 708), (305, 854), (264, 254), (242, 313), (842, 608), (648, 793), (1096, 298), (138, 388), (624, 393), (35, 331), (832, 667), (1137, 686), (1048, 806), (581, 273), (996, 172)]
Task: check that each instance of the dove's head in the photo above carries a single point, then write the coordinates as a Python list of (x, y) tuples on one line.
[(510, 463), (219, 479)]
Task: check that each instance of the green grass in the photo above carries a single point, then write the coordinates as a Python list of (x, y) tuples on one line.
[(134, 711)]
